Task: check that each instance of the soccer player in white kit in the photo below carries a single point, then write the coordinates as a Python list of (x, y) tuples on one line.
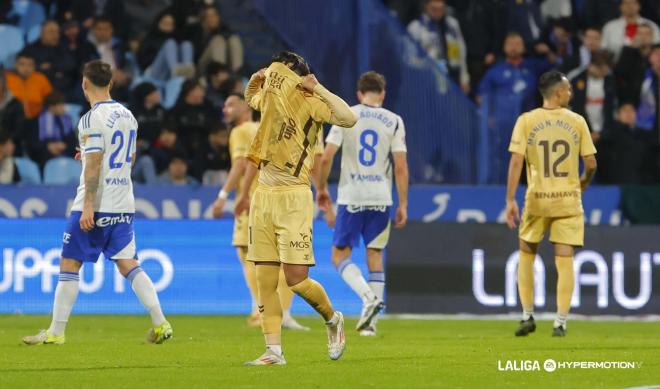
[(365, 192), (101, 219)]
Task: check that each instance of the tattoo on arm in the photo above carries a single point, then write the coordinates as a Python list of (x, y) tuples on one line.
[(92, 176)]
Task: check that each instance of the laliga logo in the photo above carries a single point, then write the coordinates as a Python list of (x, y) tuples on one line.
[(28, 262)]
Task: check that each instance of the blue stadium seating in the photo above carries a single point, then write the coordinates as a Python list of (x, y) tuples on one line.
[(12, 42), (74, 110), (62, 171), (33, 34), (28, 170), (172, 91), (31, 13)]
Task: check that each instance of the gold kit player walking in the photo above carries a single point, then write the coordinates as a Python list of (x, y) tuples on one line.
[(239, 115), (551, 141), (293, 108)]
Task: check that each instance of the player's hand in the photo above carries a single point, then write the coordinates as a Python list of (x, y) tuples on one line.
[(87, 219), (330, 217), (512, 214), (259, 74), (309, 82), (242, 204), (78, 156), (401, 217), (218, 206), (324, 200)]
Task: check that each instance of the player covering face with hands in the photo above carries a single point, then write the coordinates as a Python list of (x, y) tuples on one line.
[(550, 140)]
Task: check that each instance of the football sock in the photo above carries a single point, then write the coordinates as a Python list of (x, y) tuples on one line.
[(285, 293), (276, 348), (66, 293), (353, 277), (565, 284), (250, 274), (377, 284), (526, 283), (312, 292), (269, 302), (146, 292)]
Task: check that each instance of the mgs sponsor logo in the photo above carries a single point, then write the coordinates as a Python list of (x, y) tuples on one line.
[(305, 242), (112, 220)]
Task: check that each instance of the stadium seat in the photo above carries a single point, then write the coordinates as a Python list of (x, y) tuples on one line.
[(172, 90), (74, 110), (30, 13), (12, 42), (33, 34), (28, 170), (62, 171)]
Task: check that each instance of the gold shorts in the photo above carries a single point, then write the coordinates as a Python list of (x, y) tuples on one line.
[(280, 225), (568, 230), (240, 237)]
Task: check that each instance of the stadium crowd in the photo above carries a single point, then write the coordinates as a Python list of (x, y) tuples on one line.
[(175, 62)]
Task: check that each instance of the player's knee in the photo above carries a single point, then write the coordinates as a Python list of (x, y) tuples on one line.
[(528, 247), (70, 265), (295, 274)]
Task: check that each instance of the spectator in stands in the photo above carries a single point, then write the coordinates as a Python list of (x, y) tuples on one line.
[(28, 85), (556, 9), (8, 170), (111, 50), (188, 13), (622, 31), (12, 117), (632, 64), (524, 17), (78, 45), (213, 162), (592, 40), (87, 11), (648, 111), (142, 14), (216, 75), (177, 172), (507, 89), (148, 112), (166, 146), (162, 54), (622, 150), (56, 135), (559, 39), (192, 115), (440, 35), (53, 58), (594, 94), (215, 42)]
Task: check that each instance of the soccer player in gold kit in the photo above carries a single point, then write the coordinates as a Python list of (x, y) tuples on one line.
[(238, 114), (550, 140), (293, 106)]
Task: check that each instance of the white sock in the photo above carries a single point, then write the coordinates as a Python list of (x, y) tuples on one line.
[(527, 314), (276, 348), (66, 293), (145, 291), (377, 283), (560, 321), (286, 315), (353, 277)]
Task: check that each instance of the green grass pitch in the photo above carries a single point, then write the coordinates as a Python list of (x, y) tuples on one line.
[(209, 351)]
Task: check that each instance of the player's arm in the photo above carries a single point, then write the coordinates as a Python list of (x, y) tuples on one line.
[(243, 200), (590, 166), (322, 195), (515, 170), (401, 175), (341, 114), (237, 169), (92, 177), (253, 88)]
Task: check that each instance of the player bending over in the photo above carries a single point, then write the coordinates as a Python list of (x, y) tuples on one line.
[(293, 108), (550, 140), (238, 114), (102, 215), (365, 192)]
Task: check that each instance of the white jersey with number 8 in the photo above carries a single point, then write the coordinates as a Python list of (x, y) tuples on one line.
[(111, 129), (366, 165)]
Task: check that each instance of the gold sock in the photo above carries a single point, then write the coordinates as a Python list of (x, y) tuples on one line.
[(526, 280), (312, 292), (285, 293), (269, 301), (249, 272), (565, 284)]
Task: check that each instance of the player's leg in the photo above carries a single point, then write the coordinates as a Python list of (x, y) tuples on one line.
[(286, 299), (566, 234), (250, 275), (532, 230), (146, 292), (376, 283)]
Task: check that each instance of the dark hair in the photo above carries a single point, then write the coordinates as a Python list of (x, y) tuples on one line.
[(601, 58), (593, 28), (101, 19), (371, 82), (215, 67), (549, 80), (655, 46), (239, 95), (168, 127), (54, 98), (187, 87), (513, 34), (26, 54), (217, 126), (180, 156), (298, 63), (98, 73)]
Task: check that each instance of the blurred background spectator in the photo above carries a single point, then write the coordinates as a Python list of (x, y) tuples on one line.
[(8, 170), (56, 135)]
